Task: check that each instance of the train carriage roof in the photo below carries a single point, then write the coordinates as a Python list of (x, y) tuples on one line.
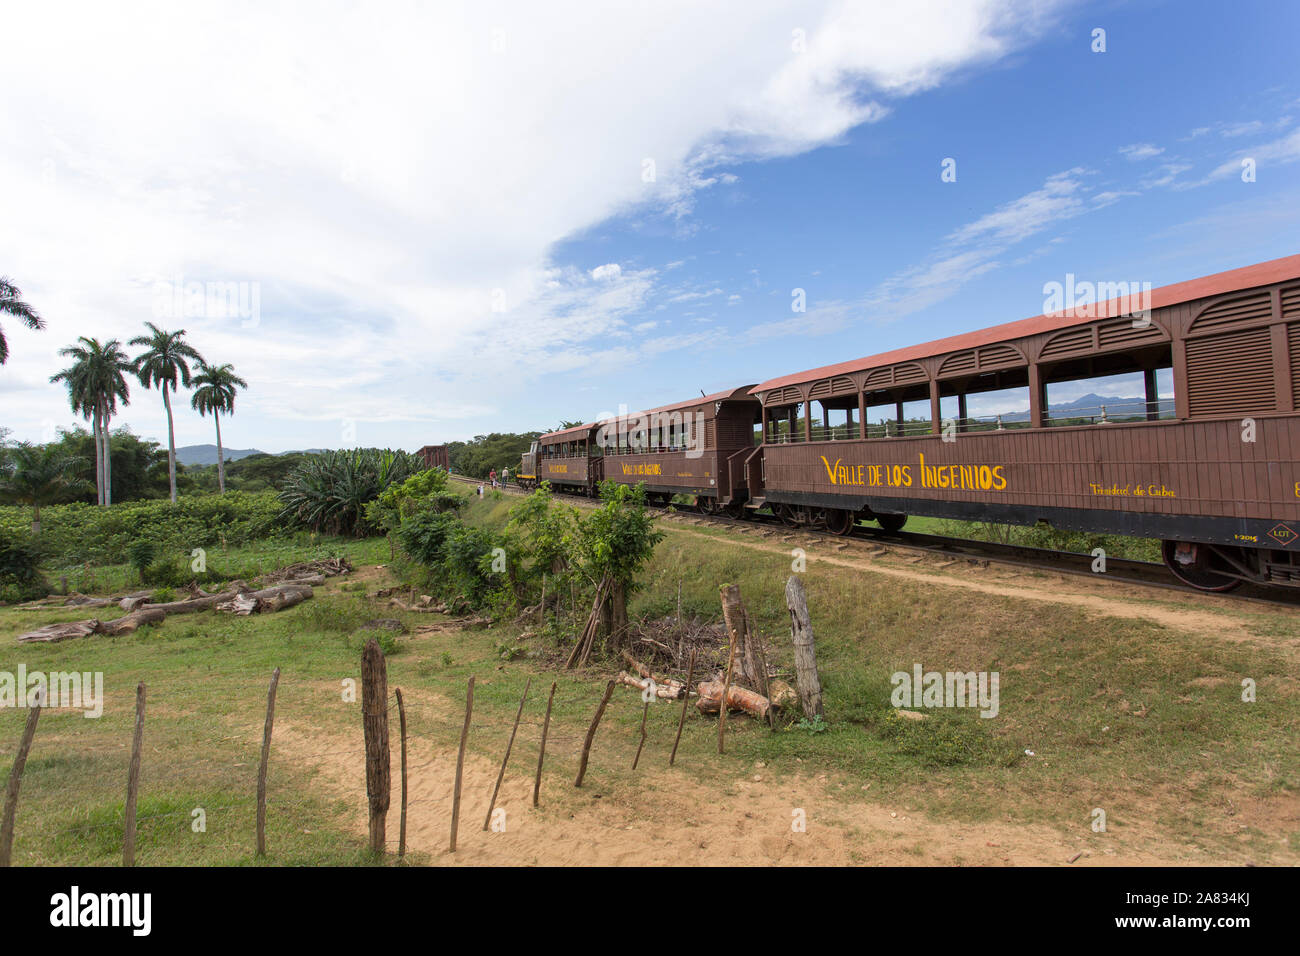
[(1247, 277), (733, 394), (577, 431)]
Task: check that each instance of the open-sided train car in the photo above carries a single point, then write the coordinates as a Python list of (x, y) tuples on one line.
[(1214, 473), (697, 447)]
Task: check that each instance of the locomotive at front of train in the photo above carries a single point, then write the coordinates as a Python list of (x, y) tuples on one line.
[(1207, 461)]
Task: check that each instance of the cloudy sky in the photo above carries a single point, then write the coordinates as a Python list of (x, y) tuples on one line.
[(410, 223)]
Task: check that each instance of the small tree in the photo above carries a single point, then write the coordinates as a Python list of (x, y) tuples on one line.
[(616, 541), (543, 528), (40, 475)]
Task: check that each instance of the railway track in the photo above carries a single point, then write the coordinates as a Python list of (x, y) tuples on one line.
[(1148, 574)]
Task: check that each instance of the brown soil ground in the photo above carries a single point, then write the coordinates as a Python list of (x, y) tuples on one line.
[(673, 820)]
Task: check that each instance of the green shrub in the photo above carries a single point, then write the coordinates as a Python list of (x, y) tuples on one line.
[(20, 573), (141, 554), (329, 492), (79, 533)]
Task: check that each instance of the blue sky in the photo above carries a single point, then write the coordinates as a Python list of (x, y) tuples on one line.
[(442, 249)]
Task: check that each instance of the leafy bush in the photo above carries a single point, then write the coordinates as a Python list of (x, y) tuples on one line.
[(329, 492), (20, 574), (77, 533), (425, 491), (141, 554)]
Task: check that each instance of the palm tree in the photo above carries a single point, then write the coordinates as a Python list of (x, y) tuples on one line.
[(215, 392), (96, 380), (11, 303), (39, 475), (163, 363)]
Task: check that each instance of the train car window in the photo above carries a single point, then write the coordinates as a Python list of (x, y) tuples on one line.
[(835, 419), (785, 423), (1146, 395), (996, 409)]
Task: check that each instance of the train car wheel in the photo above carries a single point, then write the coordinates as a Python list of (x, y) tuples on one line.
[(786, 514), (840, 521), (1190, 563), (891, 523)]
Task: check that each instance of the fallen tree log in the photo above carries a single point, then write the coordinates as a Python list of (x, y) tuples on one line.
[(668, 690), (53, 633), (738, 698), (267, 600)]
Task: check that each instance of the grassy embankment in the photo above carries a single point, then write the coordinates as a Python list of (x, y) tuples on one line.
[(1141, 719)]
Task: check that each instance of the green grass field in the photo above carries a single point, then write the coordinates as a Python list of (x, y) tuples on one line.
[(1119, 712)]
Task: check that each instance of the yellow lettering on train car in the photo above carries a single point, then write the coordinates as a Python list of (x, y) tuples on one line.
[(963, 477), (558, 469), (643, 469), (842, 474)]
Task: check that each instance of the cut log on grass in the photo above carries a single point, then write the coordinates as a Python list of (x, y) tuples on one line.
[(266, 601), (668, 690), (129, 623), (53, 633), (738, 698)]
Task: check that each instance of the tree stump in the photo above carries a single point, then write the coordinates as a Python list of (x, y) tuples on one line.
[(805, 655)]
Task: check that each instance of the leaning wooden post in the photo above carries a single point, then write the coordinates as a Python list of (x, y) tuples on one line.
[(737, 621), (460, 763), (645, 712), (501, 775), (16, 780), (686, 700), (591, 734), (133, 778), (374, 709), (726, 688), (805, 655), (541, 751), (767, 684), (266, 756), (401, 719)]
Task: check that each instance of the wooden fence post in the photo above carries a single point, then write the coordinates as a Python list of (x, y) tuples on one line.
[(726, 688), (133, 778), (16, 780), (401, 718), (460, 763), (686, 700), (591, 734), (541, 751), (506, 759), (805, 654), (374, 711), (266, 756), (645, 712)]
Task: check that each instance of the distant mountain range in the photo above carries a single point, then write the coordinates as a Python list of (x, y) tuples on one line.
[(1091, 403), (189, 455)]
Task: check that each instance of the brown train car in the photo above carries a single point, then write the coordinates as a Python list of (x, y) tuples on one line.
[(435, 456), (697, 447), (563, 458), (1214, 473)]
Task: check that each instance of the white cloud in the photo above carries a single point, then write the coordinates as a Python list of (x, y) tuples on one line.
[(396, 177), (1140, 151)]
